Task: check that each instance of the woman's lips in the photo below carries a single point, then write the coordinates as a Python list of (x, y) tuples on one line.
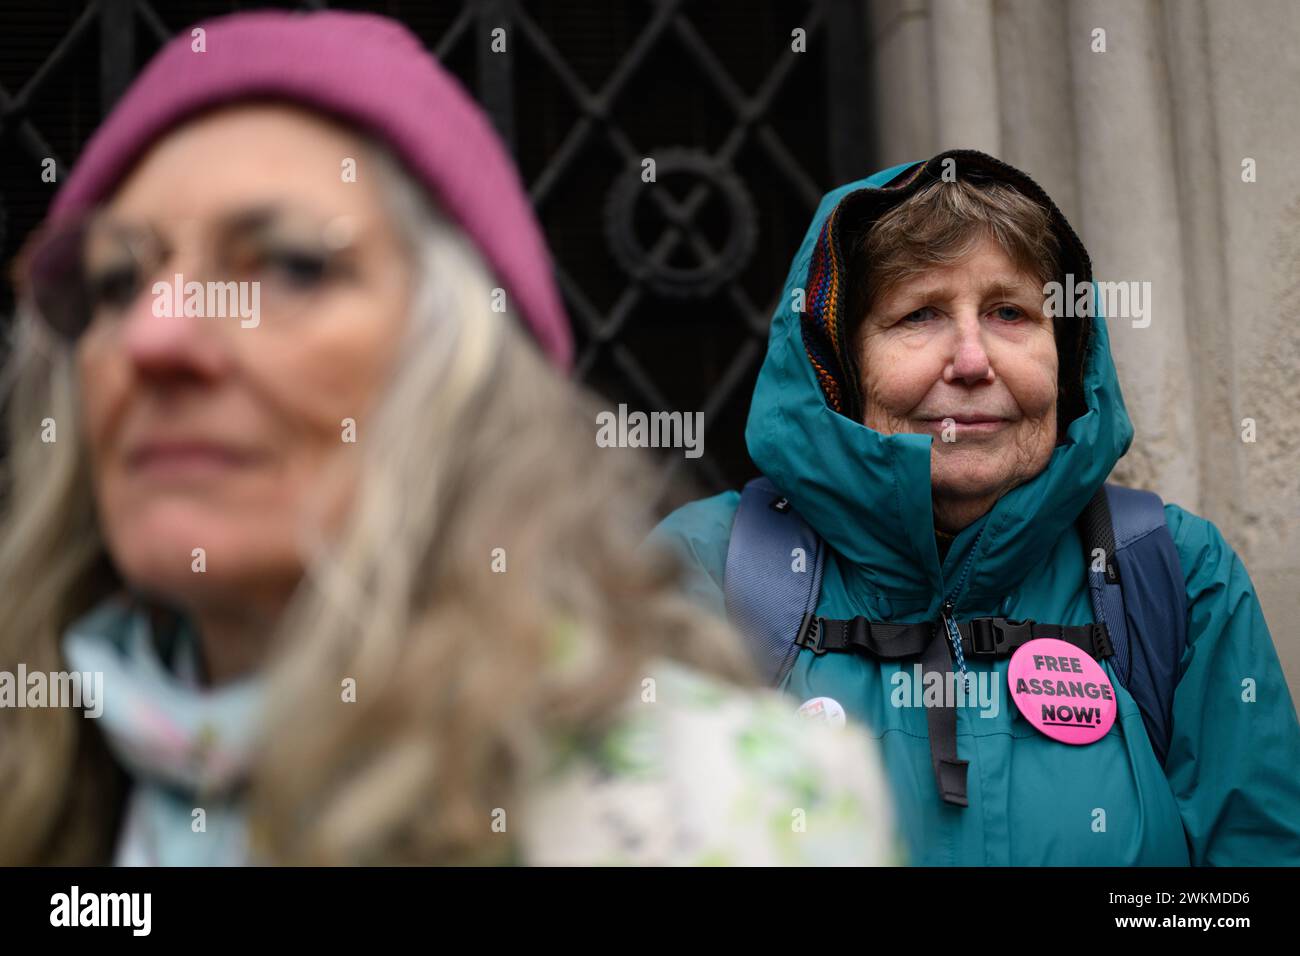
[(970, 427), (185, 459)]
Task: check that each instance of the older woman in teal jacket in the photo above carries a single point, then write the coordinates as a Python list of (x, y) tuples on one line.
[(940, 423)]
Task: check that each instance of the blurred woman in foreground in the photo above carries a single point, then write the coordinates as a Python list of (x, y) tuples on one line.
[(333, 531)]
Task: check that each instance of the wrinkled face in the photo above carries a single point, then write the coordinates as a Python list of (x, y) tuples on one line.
[(968, 343), (212, 430)]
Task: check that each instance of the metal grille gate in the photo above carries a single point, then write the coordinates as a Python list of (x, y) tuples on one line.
[(670, 288)]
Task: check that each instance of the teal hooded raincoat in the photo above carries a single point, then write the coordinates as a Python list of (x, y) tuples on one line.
[(1229, 792)]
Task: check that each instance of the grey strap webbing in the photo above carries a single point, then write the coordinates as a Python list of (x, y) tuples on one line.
[(769, 584)]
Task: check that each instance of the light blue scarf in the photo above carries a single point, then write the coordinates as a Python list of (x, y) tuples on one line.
[(186, 748)]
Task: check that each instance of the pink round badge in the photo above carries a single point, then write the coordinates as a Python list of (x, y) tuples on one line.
[(1062, 691)]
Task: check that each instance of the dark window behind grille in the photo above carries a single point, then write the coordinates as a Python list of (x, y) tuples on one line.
[(746, 135)]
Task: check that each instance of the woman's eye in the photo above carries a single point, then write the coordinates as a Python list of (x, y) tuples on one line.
[(113, 288), (297, 267), (1008, 313), (920, 315)]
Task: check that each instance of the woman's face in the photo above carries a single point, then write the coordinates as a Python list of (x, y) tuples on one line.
[(965, 353), (212, 431)]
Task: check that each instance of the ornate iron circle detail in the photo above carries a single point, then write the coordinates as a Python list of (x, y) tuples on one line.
[(679, 282)]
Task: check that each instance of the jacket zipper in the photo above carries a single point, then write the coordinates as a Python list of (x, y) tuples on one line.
[(948, 608)]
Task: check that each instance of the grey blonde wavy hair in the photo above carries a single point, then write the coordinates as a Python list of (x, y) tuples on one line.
[(464, 676)]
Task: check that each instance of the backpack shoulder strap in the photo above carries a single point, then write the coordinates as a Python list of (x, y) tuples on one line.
[(1140, 597), (766, 596)]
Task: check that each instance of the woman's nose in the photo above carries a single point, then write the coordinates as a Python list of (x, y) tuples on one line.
[(970, 360), (160, 340)]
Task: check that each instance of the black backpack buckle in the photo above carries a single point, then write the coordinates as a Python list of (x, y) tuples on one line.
[(1101, 645), (810, 634), (996, 636)]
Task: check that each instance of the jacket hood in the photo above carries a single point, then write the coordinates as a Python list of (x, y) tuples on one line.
[(868, 494)]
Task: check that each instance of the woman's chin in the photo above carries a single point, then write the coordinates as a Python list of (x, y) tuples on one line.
[(186, 562), (975, 480)]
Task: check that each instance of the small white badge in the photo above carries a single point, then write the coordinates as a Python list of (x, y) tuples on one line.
[(825, 710)]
